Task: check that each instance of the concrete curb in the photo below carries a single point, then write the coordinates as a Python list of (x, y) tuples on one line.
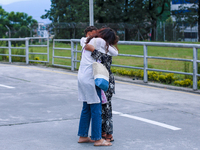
[(117, 78), (158, 85)]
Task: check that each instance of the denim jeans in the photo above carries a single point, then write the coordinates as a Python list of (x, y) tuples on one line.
[(93, 112)]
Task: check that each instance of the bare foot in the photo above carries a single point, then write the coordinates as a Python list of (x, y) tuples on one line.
[(85, 140)]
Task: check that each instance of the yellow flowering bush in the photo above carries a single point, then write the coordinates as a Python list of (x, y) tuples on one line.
[(36, 58), (162, 78), (198, 83), (153, 76), (168, 78), (184, 83)]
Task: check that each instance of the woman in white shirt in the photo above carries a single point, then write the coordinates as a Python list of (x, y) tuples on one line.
[(88, 92)]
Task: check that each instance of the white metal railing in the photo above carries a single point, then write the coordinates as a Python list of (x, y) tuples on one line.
[(58, 48), (74, 51), (146, 57), (27, 45)]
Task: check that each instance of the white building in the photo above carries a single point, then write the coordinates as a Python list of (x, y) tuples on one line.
[(41, 30), (190, 34)]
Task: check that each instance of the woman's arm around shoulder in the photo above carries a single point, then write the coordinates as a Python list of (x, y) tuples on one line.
[(112, 51)]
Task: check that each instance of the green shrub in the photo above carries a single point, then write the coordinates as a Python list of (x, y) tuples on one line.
[(184, 83), (3, 51), (169, 78), (162, 78), (153, 76), (36, 58)]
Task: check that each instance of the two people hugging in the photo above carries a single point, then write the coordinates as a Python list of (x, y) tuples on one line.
[(98, 45)]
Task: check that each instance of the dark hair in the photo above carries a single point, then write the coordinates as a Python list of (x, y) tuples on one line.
[(90, 29), (106, 33)]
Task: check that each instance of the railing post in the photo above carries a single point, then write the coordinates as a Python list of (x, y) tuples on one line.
[(9, 50), (53, 52), (48, 50), (76, 56), (72, 55), (145, 64), (194, 68), (27, 50)]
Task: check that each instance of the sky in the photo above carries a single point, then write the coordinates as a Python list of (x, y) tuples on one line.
[(6, 2), (34, 8)]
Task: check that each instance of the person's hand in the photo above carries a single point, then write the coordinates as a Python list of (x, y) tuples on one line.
[(89, 47)]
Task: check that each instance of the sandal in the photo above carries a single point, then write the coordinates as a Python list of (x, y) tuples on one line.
[(88, 140), (104, 143), (103, 135), (110, 139)]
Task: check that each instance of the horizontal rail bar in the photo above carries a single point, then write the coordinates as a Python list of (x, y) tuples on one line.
[(38, 61), (14, 39), (198, 61), (126, 66), (18, 55), (61, 48), (4, 47), (77, 61), (185, 73), (62, 40), (4, 54), (38, 45), (62, 57), (18, 47), (128, 55), (75, 40), (38, 53), (77, 51), (167, 58), (61, 65), (37, 38), (160, 44)]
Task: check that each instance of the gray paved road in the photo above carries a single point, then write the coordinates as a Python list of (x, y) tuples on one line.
[(39, 111)]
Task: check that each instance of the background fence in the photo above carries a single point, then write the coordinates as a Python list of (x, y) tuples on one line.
[(74, 50), (7, 47)]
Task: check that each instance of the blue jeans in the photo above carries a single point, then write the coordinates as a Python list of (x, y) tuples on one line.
[(93, 112)]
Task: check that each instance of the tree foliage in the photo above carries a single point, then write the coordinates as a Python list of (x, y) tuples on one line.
[(18, 22), (142, 14)]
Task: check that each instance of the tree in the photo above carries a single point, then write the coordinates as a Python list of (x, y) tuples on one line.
[(68, 11), (64, 13), (3, 21), (140, 13), (155, 11), (17, 22)]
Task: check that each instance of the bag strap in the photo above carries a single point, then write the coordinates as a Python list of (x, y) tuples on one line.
[(95, 44)]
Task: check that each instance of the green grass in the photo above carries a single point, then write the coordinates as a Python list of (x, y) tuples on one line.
[(173, 52)]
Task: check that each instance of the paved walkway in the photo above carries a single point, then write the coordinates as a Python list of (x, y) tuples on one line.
[(39, 111)]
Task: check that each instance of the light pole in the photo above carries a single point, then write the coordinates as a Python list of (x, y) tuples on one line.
[(91, 12), (8, 30)]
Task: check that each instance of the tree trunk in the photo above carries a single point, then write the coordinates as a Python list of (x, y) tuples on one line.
[(153, 34)]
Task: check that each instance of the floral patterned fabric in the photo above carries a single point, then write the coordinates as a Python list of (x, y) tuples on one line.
[(107, 123)]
